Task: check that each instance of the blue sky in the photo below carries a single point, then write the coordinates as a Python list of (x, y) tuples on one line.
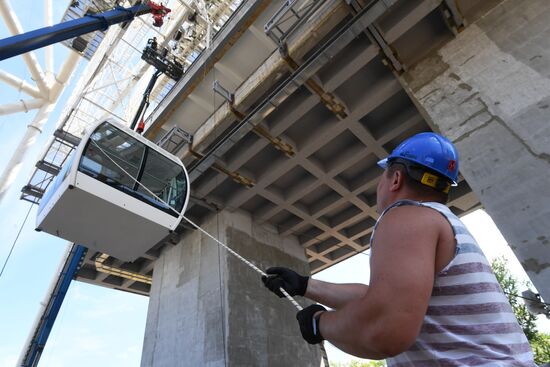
[(97, 325)]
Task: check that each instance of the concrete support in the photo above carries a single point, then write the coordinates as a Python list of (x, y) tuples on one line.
[(207, 308), (488, 91)]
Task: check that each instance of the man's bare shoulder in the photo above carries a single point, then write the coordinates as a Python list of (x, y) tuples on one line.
[(412, 217), (412, 230)]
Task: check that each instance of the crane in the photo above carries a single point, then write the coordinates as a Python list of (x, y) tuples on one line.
[(25, 42)]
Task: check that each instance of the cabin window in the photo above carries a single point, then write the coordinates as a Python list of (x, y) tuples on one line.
[(137, 167), (165, 179), (113, 146)]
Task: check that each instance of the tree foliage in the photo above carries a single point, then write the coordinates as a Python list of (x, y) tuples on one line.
[(356, 363), (539, 341)]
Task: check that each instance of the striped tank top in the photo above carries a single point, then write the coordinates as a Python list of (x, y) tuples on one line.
[(469, 321)]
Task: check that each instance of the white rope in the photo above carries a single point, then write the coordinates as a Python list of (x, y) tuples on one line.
[(230, 250), (258, 270)]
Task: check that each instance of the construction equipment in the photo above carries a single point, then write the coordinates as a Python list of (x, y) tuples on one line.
[(25, 42), (157, 57)]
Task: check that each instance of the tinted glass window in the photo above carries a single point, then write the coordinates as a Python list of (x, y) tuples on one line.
[(110, 145), (135, 162), (165, 179)]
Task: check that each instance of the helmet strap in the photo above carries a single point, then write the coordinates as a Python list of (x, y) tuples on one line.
[(425, 177), (435, 182)]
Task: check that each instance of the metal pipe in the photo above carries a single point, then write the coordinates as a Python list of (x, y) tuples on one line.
[(64, 75), (14, 164), (30, 59), (20, 84), (21, 106), (48, 21), (126, 274), (35, 128)]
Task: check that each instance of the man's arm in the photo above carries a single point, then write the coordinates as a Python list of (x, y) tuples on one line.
[(387, 320), (330, 294), (334, 295)]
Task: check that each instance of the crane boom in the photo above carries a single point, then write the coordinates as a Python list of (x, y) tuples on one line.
[(25, 42), (50, 307)]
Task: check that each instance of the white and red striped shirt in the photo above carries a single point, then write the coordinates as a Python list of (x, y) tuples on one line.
[(469, 321)]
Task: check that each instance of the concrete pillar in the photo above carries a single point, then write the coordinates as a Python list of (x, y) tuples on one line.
[(207, 308), (488, 91)]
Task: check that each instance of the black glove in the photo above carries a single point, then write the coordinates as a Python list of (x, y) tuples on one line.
[(292, 282), (309, 326)]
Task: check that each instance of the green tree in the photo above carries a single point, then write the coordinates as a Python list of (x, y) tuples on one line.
[(539, 341), (356, 363), (509, 285), (541, 347)]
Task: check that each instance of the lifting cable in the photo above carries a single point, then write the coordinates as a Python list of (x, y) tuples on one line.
[(27, 216), (527, 298), (15, 241), (230, 250)]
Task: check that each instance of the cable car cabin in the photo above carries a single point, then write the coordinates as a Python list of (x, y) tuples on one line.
[(118, 193)]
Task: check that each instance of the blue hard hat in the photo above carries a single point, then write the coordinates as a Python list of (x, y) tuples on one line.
[(429, 150)]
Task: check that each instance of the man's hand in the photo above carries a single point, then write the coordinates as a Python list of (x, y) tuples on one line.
[(309, 324), (292, 282)]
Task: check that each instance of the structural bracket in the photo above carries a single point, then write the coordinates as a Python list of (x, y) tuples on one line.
[(32, 194), (237, 177), (290, 9), (278, 143), (453, 17), (328, 99), (67, 137), (389, 56), (228, 96), (48, 167), (175, 139)]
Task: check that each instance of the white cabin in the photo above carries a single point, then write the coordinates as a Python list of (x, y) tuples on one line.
[(118, 193)]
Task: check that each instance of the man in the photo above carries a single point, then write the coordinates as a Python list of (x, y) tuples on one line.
[(432, 299)]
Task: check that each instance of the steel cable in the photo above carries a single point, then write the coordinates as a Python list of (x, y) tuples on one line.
[(230, 250)]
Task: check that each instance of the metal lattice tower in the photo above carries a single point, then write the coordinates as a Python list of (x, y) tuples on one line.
[(112, 81)]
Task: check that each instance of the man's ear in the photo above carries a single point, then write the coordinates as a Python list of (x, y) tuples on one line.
[(397, 180)]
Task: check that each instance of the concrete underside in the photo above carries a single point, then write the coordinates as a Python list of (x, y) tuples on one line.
[(207, 308), (486, 88)]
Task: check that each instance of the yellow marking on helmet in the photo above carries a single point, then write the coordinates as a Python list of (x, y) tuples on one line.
[(431, 180)]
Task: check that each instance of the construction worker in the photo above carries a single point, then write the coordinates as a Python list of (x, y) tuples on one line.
[(432, 299)]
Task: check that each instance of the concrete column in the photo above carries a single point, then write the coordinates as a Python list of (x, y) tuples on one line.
[(488, 91), (207, 308)]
